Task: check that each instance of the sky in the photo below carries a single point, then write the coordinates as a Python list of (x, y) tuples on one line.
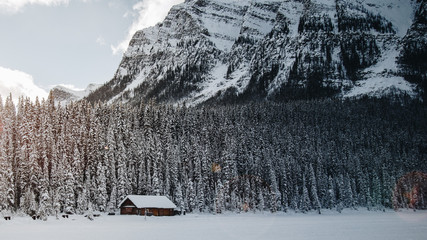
[(45, 43)]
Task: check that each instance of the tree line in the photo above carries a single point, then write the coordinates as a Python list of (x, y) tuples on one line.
[(300, 156)]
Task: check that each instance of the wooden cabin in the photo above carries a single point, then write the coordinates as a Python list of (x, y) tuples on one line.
[(147, 205)]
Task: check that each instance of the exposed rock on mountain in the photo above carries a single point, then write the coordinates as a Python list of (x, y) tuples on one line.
[(225, 50), (64, 95)]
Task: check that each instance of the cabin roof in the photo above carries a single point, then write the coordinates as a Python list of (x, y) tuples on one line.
[(145, 201)]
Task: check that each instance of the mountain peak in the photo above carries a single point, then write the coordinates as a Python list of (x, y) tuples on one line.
[(64, 94), (217, 50)]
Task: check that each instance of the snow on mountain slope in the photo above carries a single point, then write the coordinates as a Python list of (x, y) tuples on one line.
[(399, 12), (221, 50), (64, 94), (381, 78)]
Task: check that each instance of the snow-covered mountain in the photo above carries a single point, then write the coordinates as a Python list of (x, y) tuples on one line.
[(233, 50), (64, 94)]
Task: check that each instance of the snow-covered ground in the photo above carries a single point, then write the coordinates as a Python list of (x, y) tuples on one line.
[(330, 225)]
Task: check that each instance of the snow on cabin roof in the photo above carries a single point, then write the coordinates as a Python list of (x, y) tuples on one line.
[(144, 201)]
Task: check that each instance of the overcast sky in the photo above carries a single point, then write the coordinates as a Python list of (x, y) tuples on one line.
[(72, 42)]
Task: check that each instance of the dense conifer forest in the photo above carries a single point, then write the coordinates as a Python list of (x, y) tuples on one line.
[(296, 156)]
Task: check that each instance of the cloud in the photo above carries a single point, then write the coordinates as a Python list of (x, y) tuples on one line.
[(69, 86), (101, 41), (19, 84), (14, 6), (149, 12)]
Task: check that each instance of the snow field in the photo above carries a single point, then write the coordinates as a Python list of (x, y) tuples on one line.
[(329, 225)]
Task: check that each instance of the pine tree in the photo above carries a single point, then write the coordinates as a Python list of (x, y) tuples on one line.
[(6, 183), (8, 165), (305, 204), (219, 197), (179, 199), (101, 190), (89, 213), (376, 192), (347, 192), (260, 200), (192, 200), (43, 209), (331, 197), (112, 204), (69, 192), (313, 190)]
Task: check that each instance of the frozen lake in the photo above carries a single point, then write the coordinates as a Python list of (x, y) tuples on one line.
[(330, 225)]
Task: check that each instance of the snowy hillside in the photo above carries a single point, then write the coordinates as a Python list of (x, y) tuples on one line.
[(217, 50), (64, 94)]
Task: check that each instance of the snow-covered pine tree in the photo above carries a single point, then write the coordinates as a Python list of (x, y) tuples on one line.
[(69, 192), (179, 198), (331, 195), (376, 192), (112, 203), (44, 205), (6, 183), (305, 204), (274, 189), (192, 199), (101, 195), (313, 190), (122, 173), (8, 158), (219, 197)]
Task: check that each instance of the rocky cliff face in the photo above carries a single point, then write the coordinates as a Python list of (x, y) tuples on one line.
[(236, 50), (413, 55)]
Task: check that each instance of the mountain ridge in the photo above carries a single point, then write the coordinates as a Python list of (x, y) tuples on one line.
[(64, 94), (219, 51)]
